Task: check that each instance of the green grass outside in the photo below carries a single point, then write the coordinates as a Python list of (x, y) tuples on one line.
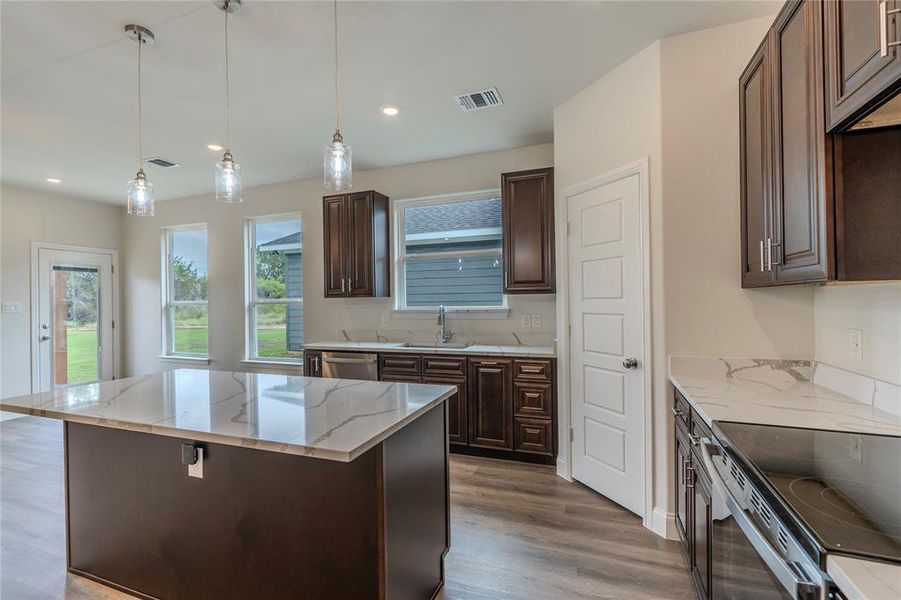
[(82, 348)]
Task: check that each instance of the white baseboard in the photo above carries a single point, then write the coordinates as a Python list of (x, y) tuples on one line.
[(563, 470), (663, 524)]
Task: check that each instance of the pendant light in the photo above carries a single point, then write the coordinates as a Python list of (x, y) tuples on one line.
[(140, 191), (337, 159), (229, 186)]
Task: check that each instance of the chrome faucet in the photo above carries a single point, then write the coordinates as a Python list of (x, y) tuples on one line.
[(445, 335)]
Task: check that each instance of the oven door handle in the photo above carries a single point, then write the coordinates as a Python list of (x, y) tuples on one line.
[(789, 574)]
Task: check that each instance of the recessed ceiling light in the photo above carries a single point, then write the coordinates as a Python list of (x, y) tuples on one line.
[(214, 147), (390, 110), (54, 180)]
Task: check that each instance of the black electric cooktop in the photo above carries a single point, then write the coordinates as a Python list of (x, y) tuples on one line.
[(845, 488)]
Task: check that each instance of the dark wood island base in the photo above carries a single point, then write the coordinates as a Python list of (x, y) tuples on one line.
[(260, 524)]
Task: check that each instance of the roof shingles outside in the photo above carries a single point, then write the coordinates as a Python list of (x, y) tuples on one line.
[(292, 239), (453, 216)]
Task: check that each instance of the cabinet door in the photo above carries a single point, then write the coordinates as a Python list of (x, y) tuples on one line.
[(801, 248), (359, 238), (682, 458), (702, 527), (334, 231), (312, 364), (756, 154), (528, 228), (491, 403), (456, 410), (857, 75)]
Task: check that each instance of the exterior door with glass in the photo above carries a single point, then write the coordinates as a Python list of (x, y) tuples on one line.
[(74, 325)]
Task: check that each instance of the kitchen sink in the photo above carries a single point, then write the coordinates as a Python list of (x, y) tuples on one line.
[(451, 345)]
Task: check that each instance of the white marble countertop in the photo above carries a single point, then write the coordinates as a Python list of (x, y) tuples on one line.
[(334, 419), (474, 349), (865, 579), (772, 392)]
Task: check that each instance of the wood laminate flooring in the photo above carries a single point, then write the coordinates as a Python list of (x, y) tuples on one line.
[(518, 531)]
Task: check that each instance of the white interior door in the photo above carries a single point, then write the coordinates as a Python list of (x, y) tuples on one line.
[(606, 304), (74, 327)]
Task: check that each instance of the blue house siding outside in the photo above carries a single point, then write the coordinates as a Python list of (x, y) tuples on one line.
[(294, 289)]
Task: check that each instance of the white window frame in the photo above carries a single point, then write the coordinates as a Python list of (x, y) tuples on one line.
[(400, 257), (250, 297), (167, 289)]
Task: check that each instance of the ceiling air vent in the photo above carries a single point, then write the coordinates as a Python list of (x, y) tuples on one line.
[(161, 162), (479, 100)]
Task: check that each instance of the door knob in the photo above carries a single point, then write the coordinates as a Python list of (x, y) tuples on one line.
[(630, 363)]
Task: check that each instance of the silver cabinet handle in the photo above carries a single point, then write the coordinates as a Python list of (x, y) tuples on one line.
[(689, 476), (342, 285), (677, 412), (884, 44), (695, 440), (762, 261), (769, 252)]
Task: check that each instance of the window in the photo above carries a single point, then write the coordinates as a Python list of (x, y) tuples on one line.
[(450, 253), (185, 321), (275, 288)]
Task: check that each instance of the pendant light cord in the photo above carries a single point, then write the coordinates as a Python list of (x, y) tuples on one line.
[(140, 141), (228, 132), (337, 102)]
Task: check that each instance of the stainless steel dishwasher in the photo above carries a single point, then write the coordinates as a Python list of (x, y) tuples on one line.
[(350, 365)]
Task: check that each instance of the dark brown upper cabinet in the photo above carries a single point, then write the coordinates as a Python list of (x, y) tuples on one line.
[(356, 245), (815, 206), (756, 194), (800, 248), (863, 67), (528, 228)]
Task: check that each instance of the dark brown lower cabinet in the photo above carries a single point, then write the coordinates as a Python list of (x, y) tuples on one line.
[(694, 505), (490, 408), (457, 425), (503, 408)]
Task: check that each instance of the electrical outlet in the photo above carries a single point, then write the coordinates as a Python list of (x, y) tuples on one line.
[(12, 307), (855, 338), (196, 470), (527, 321), (536, 321)]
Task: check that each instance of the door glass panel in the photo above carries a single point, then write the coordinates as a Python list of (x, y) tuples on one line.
[(189, 329), (76, 313)]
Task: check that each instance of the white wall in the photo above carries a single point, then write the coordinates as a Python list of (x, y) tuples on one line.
[(325, 318), (32, 216), (676, 102), (875, 309), (613, 122)]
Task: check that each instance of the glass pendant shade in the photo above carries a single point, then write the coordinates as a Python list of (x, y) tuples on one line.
[(140, 196), (229, 186), (337, 165)]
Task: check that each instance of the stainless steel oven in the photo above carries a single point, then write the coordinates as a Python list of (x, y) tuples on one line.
[(755, 557)]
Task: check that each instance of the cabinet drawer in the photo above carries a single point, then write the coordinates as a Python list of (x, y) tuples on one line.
[(532, 370), (399, 378), (532, 399), (408, 364), (681, 409), (533, 435), (443, 366)]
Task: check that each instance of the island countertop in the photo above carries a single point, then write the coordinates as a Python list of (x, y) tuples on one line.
[(334, 419)]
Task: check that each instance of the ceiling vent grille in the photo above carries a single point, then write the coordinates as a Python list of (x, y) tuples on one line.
[(161, 162), (479, 100)]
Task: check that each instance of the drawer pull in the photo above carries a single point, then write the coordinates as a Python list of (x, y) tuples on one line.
[(677, 412)]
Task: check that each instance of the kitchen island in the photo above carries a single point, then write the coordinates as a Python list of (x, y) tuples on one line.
[(209, 484)]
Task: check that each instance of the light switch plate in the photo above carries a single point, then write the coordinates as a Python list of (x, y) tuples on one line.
[(12, 307), (196, 470), (855, 339), (536, 321)]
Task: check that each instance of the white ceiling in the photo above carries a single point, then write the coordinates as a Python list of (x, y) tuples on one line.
[(68, 82)]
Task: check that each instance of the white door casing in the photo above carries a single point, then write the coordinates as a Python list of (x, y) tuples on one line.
[(44, 258), (608, 316)]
